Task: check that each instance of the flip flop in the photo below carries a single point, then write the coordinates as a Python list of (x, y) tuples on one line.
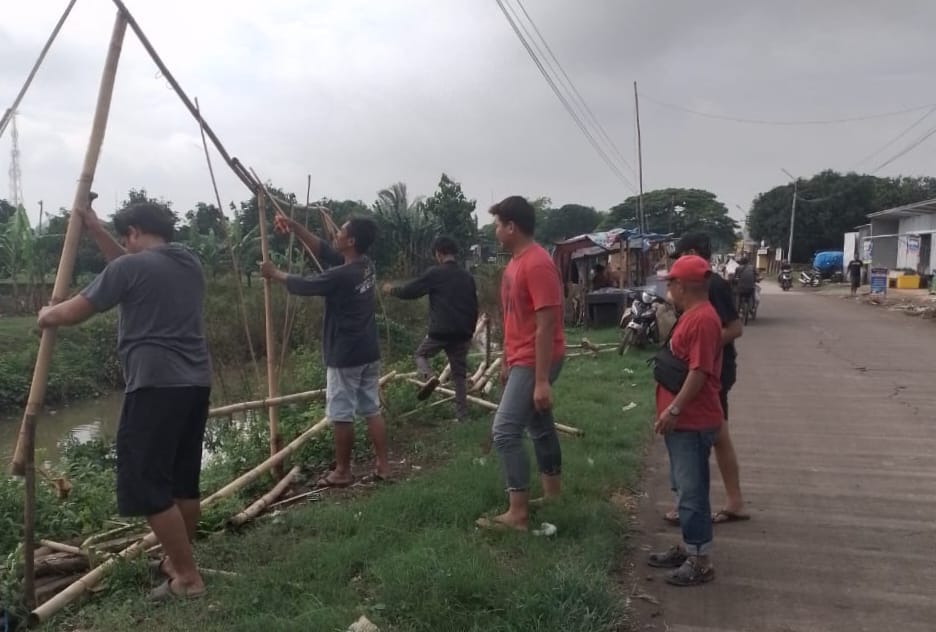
[(724, 516), (326, 482), (496, 525), (427, 389), (671, 518), (374, 477), (164, 592)]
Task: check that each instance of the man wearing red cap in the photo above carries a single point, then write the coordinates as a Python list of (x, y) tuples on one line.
[(689, 415)]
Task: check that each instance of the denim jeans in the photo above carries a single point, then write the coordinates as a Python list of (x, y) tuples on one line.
[(689, 471), (515, 414)]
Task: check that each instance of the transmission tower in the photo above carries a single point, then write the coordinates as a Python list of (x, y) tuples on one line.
[(16, 184)]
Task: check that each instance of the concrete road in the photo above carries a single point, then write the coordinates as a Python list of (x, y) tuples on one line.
[(833, 420)]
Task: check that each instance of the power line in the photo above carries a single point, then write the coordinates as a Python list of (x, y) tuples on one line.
[(571, 85), (906, 131), (782, 123), (562, 98), (906, 150)]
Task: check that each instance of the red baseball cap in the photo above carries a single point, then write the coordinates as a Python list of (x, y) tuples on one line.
[(689, 268)]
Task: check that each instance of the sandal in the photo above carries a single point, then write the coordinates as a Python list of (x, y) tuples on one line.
[(690, 574), (326, 481), (164, 592), (375, 477), (674, 557), (671, 518), (496, 525), (157, 569), (725, 515)]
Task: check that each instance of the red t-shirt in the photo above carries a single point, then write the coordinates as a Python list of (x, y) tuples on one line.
[(697, 341), (530, 283)]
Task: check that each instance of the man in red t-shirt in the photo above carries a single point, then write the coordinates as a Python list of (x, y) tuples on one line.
[(690, 419), (534, 346)]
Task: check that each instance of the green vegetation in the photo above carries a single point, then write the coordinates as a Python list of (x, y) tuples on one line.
[(408, 555)]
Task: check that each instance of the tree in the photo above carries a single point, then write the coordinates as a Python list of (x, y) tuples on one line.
[(678, 211), (205, 219), (828, 205), (406, 231), (7, 211), (452, 213), (565, 222)]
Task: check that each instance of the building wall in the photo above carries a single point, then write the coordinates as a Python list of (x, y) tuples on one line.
[(884, 249), (917, 230)]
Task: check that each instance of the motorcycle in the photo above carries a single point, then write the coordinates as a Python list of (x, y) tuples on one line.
[(639, 323), (810, 278), (786, 280)]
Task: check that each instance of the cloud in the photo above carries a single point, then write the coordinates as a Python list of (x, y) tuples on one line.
[(362, 94)]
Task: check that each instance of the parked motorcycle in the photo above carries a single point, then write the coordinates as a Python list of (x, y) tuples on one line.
[(810, 278), (786, 280), (639, 323)]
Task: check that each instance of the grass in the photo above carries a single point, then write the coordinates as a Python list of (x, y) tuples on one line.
[(408, 556)]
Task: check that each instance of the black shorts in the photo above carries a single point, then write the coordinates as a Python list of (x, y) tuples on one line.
[(728, 377), (855, 283), (159, 448)]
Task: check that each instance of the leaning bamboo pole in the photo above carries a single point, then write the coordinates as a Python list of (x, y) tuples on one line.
[(272, 383), (257, 507), (571, 430), (24, 455), (488, 375), (230, 409)]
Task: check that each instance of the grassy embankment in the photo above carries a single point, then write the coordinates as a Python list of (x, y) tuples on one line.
[(408, 555)]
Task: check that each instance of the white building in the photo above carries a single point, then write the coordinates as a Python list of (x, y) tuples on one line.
[(902, 237)]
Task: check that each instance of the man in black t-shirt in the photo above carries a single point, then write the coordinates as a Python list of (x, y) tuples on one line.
[(453, 315), (349, 337), (720, 295), (854, 275)]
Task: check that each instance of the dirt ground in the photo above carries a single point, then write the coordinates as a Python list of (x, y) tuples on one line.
[(833, 425)]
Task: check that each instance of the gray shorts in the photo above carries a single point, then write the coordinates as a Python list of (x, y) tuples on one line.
[(352, 392)]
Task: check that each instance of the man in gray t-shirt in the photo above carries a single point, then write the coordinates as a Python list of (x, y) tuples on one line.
[(158, 287)]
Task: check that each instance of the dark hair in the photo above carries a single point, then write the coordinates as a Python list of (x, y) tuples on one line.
[(516, 209), (445, 245), (147, 217), (364, 231), (699, 242)]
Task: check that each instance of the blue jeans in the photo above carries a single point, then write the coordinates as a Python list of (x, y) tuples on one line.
[(516, 414), (689, 471)]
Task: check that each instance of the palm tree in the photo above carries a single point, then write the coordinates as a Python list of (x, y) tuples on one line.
[(406, 229)]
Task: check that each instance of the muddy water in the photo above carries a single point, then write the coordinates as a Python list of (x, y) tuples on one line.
[(82, 420)]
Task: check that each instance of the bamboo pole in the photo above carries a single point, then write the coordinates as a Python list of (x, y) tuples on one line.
[(242, 303), (478, 374), (29, 521), (257, 507), (59, 563), (86, 583), (224, 411), (61, 548), (420, 409), (272, 386), (488, 375), (492, 406), (63, 275)]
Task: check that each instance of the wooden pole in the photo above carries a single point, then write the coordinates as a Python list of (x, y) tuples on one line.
[(66, 265), (272, 386), (224, 411), (640, 211), (264, 501), (29, 521)]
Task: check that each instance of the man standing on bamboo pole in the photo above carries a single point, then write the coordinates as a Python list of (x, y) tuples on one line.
[(534, 346), (453, 314), (350, 344), (158, 287)]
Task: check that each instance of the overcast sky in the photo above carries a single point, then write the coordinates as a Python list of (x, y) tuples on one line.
[(362, 94)]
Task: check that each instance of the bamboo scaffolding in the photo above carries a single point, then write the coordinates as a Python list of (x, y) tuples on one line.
[(257, 507), (571, 430), (272, 382), (230, 409)]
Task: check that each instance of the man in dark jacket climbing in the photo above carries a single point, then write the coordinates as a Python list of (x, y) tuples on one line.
[(453, 313)]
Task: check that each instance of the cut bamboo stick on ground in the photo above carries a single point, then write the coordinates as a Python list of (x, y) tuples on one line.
[(47, 589), (419, 409), (230, 409), (591, 353), (60, 564), (264, 501), (571, 430), (314, 494), (488, 375), (61, 548)]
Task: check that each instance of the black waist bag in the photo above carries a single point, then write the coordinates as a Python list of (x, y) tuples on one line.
[(669, 371)]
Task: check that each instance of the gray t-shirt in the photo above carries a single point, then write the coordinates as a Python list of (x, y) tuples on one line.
[(160, 331), (349, 328)]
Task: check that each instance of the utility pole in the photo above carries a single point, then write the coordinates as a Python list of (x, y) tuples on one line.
[(640, 212), (792, 214)]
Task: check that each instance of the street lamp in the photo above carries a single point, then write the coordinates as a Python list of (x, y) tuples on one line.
[(792, 213)]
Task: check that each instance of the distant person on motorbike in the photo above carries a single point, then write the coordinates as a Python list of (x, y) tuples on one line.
[(746, 279), (854, 275), (786, 270), (721, 298)]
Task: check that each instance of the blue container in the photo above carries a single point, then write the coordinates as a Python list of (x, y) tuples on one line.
[(829, 261)]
